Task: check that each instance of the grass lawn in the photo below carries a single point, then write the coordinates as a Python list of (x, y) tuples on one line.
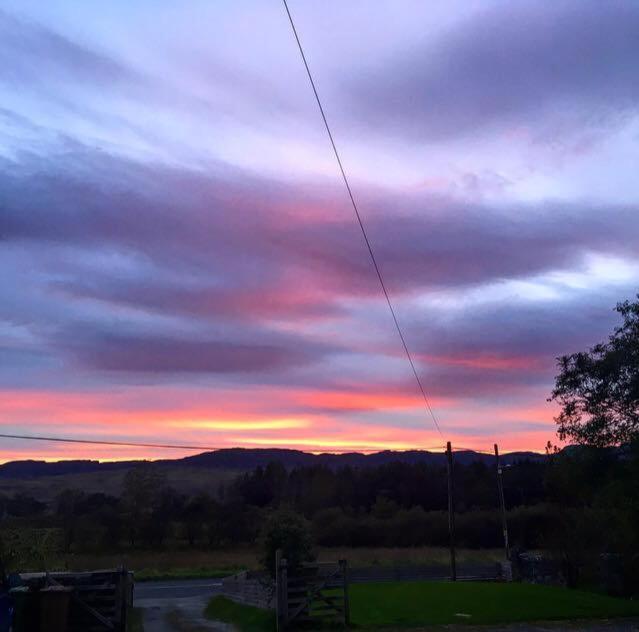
[(410, 604), (244, 618), (419, 604)]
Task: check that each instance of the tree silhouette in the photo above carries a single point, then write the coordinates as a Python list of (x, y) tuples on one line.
[(599, 389)]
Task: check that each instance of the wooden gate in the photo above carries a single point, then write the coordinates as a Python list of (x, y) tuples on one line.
[(312, 594), (99, 599)]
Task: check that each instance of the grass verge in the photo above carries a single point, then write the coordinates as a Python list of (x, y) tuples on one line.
[(413, 604), (244, 618), (134, 620)]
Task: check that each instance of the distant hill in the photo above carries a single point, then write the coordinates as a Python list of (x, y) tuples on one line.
[(242, 459)]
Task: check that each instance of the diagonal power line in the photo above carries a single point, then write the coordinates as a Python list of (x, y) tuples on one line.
[(133, 444), (359, 220), (114, 443)]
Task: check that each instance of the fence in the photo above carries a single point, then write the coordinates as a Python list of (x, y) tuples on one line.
[(486, 572), (537, 569)]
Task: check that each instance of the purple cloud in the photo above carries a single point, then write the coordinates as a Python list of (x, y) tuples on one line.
[(557, 66), (161, 355)]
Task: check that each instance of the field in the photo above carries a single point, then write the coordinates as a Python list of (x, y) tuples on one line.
[(41, 549), (417, 604), (185, 480), (214, 563)]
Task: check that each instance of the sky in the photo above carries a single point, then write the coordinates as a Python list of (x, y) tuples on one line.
[(179, 260)]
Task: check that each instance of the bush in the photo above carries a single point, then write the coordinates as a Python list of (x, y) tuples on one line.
[(290, 532)]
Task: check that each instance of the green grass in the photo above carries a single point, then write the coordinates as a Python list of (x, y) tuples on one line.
[(410, 604), (244, 618), (418, 604), (134, 620)]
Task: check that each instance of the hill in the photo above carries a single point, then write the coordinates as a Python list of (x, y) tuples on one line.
[(242, 459)]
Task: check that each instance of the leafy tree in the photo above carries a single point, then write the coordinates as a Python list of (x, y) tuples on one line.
[(195, 515), (67, 508), (286, 530), (143, 491), (24, 506), (598, 389)]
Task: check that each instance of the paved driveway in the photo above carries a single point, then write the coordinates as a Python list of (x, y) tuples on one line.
[(172, 588), (177, 606)]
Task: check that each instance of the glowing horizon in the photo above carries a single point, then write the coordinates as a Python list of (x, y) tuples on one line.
[(179, 262)]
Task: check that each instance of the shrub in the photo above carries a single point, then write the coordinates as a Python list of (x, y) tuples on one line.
[(290, 532)]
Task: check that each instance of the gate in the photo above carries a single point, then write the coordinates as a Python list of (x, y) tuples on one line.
[(311, 594), (98, 599)]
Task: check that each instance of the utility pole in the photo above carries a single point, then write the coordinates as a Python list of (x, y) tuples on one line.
[(451, 511), (502, 502)]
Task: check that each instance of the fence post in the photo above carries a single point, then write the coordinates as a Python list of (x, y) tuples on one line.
[(121, 600), (502, 502), (281, 591), (451, 511), (347, 610), (278, 589)]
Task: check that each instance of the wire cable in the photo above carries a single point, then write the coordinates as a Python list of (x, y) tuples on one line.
[(114, 443), (172, 446), (359, 220)]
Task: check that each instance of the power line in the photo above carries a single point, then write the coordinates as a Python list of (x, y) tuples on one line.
[(116, 443), (480, 451), (359, 220), (171, 446)]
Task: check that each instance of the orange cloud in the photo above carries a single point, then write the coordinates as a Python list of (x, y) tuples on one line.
[(487, 361), (237, 424)]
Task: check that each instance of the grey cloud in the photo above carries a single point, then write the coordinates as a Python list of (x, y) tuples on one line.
[(160, 355), (31, 53), (228, 231), (558, 66)]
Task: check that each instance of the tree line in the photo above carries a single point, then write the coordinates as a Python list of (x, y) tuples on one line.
[(397, 504)]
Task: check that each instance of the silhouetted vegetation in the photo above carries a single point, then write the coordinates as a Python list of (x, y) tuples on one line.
[(576, 504), (598, 389)]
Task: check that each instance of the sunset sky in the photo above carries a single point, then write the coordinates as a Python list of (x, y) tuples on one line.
[(179, 261)]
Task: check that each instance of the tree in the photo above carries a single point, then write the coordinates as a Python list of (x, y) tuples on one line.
[(67, 505), (142, 492), (22, 505), (195, 516), (598, 389), (286, 530)]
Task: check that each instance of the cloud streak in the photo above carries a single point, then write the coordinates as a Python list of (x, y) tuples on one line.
[(556, 67)]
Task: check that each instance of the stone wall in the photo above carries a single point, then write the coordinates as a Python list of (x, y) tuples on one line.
[(252, 589)]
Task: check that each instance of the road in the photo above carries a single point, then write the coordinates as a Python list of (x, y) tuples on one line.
[(177, 588), (177, 605)]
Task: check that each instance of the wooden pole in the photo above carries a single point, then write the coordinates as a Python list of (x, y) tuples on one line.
[(347, 610), (281, 591), (502, 503), (451, 511)]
